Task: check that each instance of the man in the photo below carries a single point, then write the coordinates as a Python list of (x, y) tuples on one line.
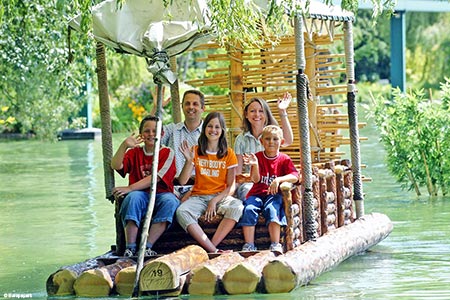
[(189, 130)]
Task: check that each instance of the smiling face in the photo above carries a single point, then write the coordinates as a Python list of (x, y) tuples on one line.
[(148, 134), (192, 107), (255, 115), (272, 139), (213, 130)]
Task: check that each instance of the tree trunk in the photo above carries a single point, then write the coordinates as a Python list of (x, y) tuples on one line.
[(304, 263), (99, 282), (244, 277), (164, 272), (206, 277), (61, 282)]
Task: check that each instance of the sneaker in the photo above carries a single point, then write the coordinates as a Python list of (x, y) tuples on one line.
[(150, 252), (276, 247), (129, 252), (249, 247)]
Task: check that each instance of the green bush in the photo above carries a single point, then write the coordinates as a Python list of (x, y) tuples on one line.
[(415, 132)]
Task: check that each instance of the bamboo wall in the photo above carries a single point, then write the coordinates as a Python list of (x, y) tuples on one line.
[(270, 72)]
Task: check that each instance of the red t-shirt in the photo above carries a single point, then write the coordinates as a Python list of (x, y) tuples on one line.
[(269, 169), (139, 165)]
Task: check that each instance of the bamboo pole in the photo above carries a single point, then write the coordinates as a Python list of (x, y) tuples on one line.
[(175, 93), (105, 116), (152, 195), (303, 122)]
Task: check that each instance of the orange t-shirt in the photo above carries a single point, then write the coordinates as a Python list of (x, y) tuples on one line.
[(211, 172)]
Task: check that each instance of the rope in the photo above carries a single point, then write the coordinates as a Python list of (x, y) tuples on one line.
[(302, 113), (311, 224), (105, 120), (358, 195)]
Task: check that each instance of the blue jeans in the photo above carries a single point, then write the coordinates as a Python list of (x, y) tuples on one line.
[(134, 207), (271, 206)]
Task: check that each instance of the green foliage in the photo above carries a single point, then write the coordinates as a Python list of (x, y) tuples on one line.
[(372, 49), (428, 50), (368, 90), (416, 135), (37, 85), (41, 91)]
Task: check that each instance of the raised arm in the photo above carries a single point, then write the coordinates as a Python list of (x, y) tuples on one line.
[(129, 142), (283, 104), (188, 154), (250, 159)]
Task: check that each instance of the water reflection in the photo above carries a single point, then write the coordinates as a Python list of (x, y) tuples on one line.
[(54, 213)]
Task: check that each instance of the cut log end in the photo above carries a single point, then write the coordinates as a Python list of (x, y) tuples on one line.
[(124, 281), (157, 276), (93, 283), (61, 283), (164, 273), (241, 279), (203, 281), (279, 277)]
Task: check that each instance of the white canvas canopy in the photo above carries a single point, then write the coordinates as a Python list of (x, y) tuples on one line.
[(150, 29)]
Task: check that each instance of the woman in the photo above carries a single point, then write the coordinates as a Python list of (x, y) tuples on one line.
[(257, 115)]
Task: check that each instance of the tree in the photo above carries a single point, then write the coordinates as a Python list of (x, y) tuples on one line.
[(416, 135), (40, 91), (39, 88)]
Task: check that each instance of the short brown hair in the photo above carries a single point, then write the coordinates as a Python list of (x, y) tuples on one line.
[(195, 92)]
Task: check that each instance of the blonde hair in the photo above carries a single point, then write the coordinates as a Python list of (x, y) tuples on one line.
[(272, 129)]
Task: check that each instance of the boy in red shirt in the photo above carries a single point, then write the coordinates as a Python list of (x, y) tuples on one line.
[(136, 161), (268, 169)]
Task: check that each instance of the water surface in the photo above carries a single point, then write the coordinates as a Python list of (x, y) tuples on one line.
[(54, 213)]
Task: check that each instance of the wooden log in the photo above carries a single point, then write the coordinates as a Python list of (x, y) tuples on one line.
[(287, 204), (99, 282), (304, 263), (124, 281), (245, 277), (61, 282), (205, 279), (171, 293), (339, 169), (164, 272)]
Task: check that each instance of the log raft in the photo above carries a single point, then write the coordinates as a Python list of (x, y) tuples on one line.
[(174, 273), (302, 264)]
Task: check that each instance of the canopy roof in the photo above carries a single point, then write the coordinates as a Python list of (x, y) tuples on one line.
[(150, 29)]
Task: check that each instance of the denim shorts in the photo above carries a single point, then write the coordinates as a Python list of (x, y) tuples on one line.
[(271, 207), (134, 207)]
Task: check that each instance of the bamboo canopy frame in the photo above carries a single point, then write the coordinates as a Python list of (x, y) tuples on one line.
[(302, 104)]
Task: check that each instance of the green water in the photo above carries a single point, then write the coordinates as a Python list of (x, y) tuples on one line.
[(53, 212)]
